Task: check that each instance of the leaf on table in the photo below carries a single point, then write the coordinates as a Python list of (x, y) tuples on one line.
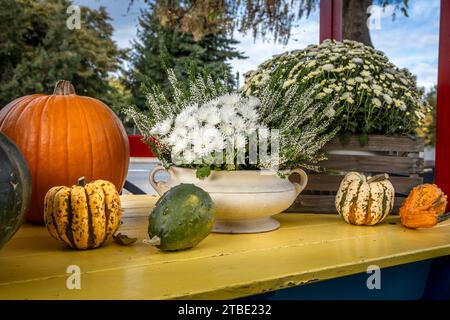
[(203, 172), (123, 239)]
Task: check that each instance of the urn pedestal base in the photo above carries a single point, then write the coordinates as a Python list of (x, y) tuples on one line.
[(246, 226)]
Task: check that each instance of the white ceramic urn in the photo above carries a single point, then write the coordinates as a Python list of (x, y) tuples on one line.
[(244, 200)]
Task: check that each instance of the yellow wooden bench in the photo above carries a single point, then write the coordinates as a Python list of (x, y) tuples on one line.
[(307, 248)]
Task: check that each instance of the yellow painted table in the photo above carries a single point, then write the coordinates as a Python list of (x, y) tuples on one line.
[(307, 248)]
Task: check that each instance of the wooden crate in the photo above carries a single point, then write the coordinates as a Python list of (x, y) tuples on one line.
[(398, 156)]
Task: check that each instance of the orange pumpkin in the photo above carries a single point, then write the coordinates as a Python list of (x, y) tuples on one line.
[(64, 136), (424, 207)]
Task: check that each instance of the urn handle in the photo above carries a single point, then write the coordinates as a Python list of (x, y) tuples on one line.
[(303, 180), (160, 186)]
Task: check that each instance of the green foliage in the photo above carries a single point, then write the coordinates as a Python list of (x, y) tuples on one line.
[(203, 172), (37, 49), (265, 18), (428, 129), (158, 48), (120, 96)]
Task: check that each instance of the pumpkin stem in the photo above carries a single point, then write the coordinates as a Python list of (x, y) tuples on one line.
[(81, 182), (378, 177), (64, 88), (155, 241), (443, 217)]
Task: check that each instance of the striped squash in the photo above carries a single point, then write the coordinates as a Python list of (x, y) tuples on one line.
[(84, 216), (363, 200)]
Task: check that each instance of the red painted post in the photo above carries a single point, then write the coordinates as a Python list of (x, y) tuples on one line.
[(138, 148), (330, 20), (443, 103)]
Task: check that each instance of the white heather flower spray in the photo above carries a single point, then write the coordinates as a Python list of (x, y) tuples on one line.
[(206, 126)]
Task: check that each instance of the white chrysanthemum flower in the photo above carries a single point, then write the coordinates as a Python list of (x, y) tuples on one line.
[(288, 83), (188, 156), (334, 58), (357, 60), (253, 101), (239, 123), (177, 134), (240, 141), (390, 76), (404, 81), (229, 99), (162, 128), (328, 67), (377, 87), (387, 98), (365, 73), (203, 113), (376, 102), (327, 90), (209, 132), (180, 145), (226, 129), (346, 95), (351, 81), (320, 95), (377, 92), (227, 113), (213, 118), (311, 64), (188, 111), (182, 117), (248, 111), (400, 104), (191, 122), (203, 140)]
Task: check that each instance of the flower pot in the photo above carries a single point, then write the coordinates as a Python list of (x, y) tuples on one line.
[(244, 200)]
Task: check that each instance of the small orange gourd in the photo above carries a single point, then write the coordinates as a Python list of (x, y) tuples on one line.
[(424, 207)]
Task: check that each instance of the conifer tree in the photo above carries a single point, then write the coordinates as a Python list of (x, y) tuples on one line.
[(37, 49), (157, 48)]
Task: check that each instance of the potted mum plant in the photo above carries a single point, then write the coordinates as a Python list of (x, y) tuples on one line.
[(378, 110), (240, 149)]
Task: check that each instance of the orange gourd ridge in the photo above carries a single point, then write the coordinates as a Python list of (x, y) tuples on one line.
[(424, 207), (64, 136)]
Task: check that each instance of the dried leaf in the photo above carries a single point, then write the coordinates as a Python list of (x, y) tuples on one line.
[(124, 240)]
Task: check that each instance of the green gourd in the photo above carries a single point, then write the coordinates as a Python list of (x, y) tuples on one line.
[(182, 218), (15, 189)]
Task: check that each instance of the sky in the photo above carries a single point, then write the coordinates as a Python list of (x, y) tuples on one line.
[(409, 42)]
